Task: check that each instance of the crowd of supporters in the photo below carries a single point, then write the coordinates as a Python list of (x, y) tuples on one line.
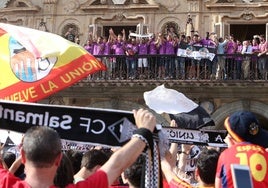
[(155, 56), (42, 164)]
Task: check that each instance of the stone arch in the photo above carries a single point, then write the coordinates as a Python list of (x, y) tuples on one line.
[(167, 25), (170, 21), (23, 3), (258, 108), (3, 20), (64, 26), (120, 16)]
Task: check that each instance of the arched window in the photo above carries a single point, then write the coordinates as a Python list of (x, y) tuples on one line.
[(66, 28), (170, 28)]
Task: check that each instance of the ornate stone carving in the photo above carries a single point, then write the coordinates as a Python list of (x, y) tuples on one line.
[(103, 2), (119, 16), (225, 1), (71, 6), (56, 100), (247, 16), (171, 5), (22, 3), (50, 1), (2, 19)]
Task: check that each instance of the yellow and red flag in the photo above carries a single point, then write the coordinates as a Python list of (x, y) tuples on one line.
[(36, 64)]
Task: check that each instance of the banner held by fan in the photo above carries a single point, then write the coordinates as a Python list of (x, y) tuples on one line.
[(36, 64), (183, 110)]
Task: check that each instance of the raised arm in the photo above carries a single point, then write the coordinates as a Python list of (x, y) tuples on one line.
[(173, 147), (112, 34), (2, 162), (15, 165), (124, 35), (127, 155)]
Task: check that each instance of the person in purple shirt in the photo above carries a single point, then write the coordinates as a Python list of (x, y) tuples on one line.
[(89, 46), (152, 50), (170, 60), (208, 43), (152, 45), (142, 61), (131, 60), (98, 48), (108, 74), (161, 46), (262, 58), (230, 50), (119, 48), (238, 60)]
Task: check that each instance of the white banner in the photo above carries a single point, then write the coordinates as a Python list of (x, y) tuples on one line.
[(195, 54), (140, 35)]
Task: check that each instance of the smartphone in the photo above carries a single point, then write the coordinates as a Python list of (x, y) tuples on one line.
[(241, 176)]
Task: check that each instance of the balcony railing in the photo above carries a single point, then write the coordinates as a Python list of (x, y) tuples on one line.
[(172, 67)]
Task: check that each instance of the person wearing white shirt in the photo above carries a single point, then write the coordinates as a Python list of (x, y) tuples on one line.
[(247, 49)]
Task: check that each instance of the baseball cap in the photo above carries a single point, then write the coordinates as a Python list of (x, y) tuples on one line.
[(244, 126)]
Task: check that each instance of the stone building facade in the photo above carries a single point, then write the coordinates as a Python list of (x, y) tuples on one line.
[(223, 17), (242, 18)]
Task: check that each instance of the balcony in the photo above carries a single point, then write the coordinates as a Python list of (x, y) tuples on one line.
[(237, 69), (118, 88)]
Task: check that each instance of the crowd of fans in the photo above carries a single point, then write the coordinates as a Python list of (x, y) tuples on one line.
[(46, 166), (155, 56)]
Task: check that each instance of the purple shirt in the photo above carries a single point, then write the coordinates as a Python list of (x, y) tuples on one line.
[(231, 46), (255, 49), (107, 48), (209, 44), (162, 48), (119, 48), (152, 47), (98, 49), (239, 50), (89, 48), (170, 47), (132, 49), (143, 49)]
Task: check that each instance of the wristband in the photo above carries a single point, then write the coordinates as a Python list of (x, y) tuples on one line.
[(141, 138), (145, 135)]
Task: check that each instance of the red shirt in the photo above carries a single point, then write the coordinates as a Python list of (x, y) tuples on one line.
[(245, 154), (8, 180)]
